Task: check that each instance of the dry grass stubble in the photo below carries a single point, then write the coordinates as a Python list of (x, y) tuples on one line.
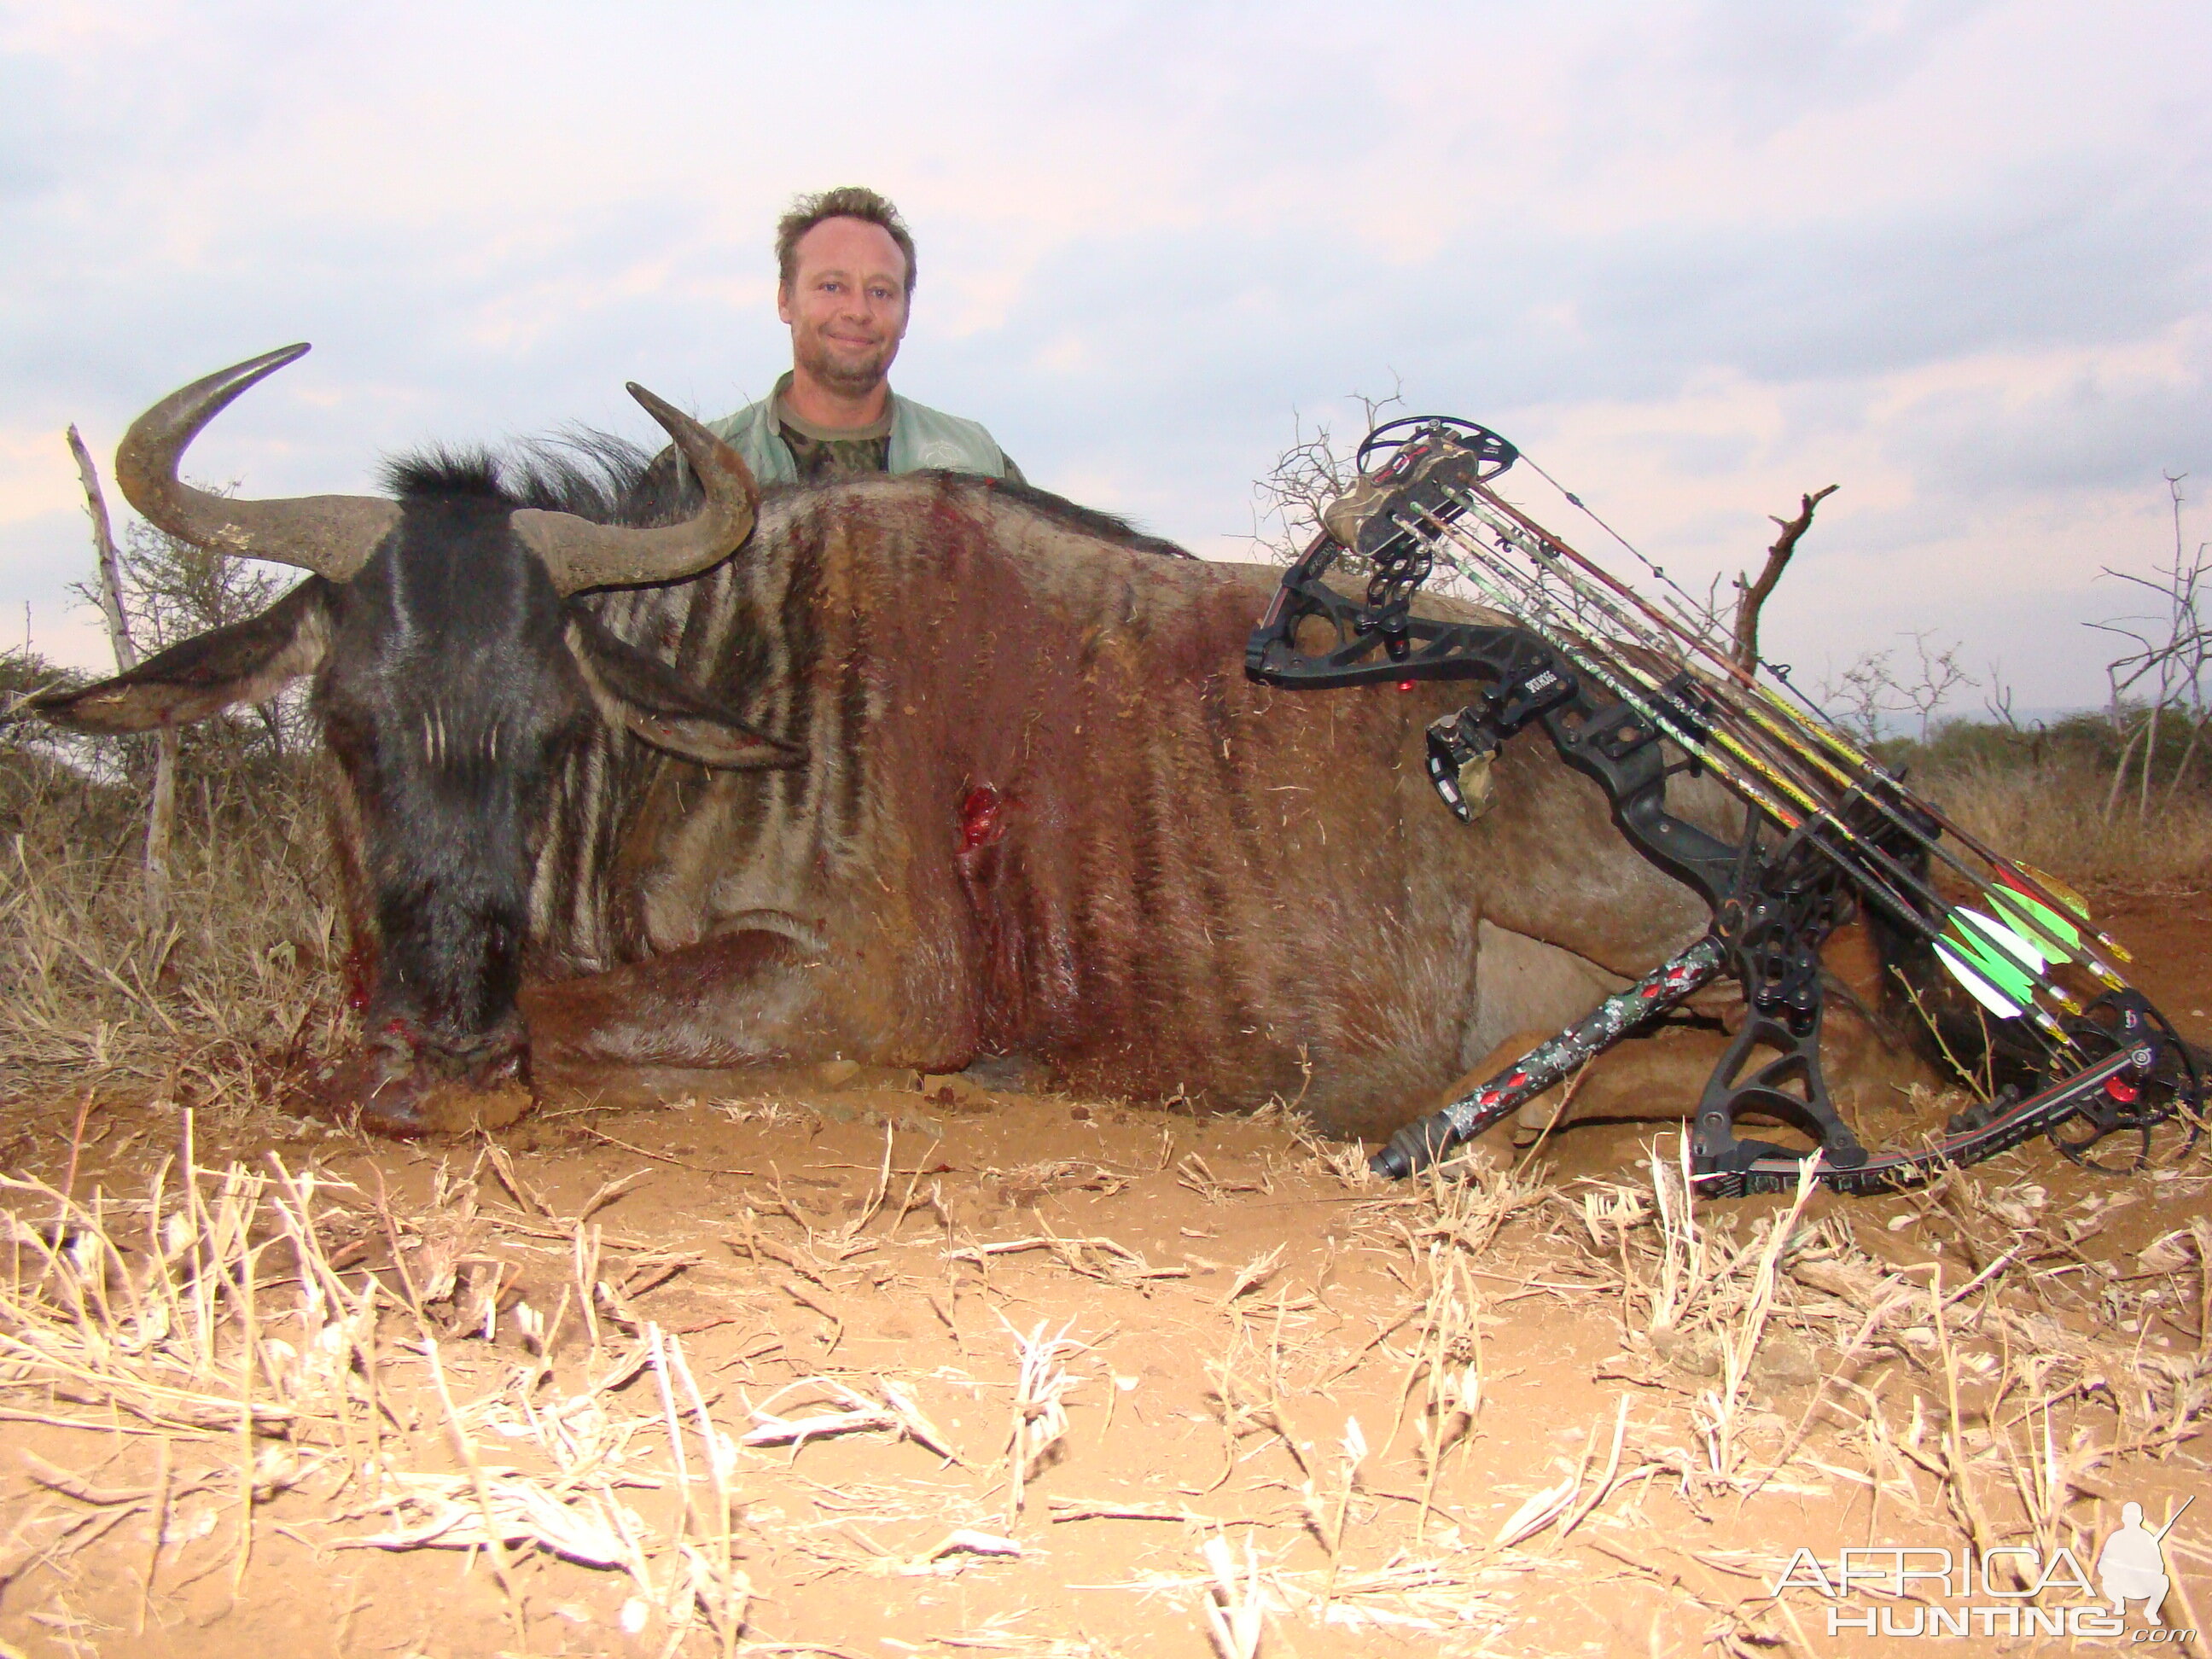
[(1457, 1404), (223, 1004)]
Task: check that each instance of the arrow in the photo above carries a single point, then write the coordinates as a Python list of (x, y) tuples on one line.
[(1526, 597), (1998, 968), (2027, 878), (1749, 733), (1566, 562), (1795, 770), (2055, 938)]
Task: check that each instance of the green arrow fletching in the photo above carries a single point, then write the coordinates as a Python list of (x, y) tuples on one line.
[(1994, 964), (1977, 988), (2051, 885), (2054, 939)]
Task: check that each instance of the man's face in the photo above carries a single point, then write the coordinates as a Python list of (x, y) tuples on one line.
[(846, 304)]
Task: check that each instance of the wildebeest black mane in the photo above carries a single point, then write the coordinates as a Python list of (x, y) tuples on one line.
[(440, 473), (1091, 522), (591, 475), (605, 479)]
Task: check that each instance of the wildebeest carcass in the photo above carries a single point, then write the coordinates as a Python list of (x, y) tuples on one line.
[(929, 769)]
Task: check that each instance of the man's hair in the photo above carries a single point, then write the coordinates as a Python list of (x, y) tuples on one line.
[(845, 201)]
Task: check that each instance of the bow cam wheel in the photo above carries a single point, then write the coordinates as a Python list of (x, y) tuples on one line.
[(1396, 447), (2131, 1106)]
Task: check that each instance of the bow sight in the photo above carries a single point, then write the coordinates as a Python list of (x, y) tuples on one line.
[(1632, 694)]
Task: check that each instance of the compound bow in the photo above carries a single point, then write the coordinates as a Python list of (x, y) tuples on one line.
[(1632, 694)]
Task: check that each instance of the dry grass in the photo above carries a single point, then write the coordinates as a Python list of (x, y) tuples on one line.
[(318, 1340), (217, 1006), (1995, 1392), (1982, 1394), (212, 1311), (277, 1349), (2052, 815)]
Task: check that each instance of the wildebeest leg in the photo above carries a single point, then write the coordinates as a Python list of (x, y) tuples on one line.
[(1016, 1073), (1523, 984), (751, 997)]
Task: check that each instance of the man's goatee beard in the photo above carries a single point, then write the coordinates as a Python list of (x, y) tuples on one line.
[(850, 379)]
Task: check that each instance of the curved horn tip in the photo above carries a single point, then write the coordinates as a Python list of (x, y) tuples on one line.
[(331, 535), (207, 397), (268, 361), (658, 407), (578, 555)]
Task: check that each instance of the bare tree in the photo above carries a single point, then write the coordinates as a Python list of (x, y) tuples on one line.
[(1859, 697), (1999, 699), (2167, 669), (1874, 686), (1306, 477), (1937, 675)]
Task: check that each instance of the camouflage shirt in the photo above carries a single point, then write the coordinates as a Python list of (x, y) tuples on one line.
[(825, 453)]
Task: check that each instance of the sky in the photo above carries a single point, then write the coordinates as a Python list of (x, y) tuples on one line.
[(1695, 259)]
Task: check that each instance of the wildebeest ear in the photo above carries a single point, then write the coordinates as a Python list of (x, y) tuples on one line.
[(637, 691), (246, 662)]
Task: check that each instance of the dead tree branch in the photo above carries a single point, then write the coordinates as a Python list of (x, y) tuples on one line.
[(1751, 596), (111, 563), (161, 809), (2167, 671), (1306, 477)]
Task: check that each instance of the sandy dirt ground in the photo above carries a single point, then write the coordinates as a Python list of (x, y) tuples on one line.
[(856, 1364)]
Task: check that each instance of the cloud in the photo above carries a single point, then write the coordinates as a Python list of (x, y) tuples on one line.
[(2069, 420), (1697, 258)]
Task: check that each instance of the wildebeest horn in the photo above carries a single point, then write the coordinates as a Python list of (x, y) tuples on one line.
[(330, 535), (579, 554)]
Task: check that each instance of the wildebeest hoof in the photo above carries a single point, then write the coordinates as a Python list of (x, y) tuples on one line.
[(460, 1109), (405, 1103), (1009, 1074)]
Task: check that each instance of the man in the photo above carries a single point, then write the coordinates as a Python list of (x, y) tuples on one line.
[(2132, 1565), (845, 280)]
